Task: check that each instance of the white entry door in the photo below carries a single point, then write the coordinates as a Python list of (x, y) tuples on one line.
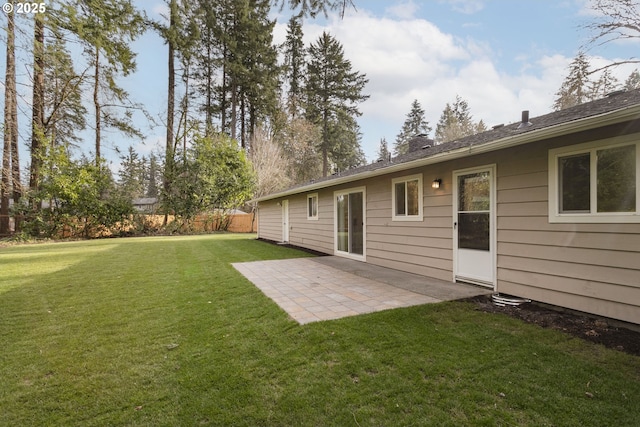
[(285, 221), (474, 225)]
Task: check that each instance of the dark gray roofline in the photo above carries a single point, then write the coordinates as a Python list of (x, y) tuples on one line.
[(603, 112)]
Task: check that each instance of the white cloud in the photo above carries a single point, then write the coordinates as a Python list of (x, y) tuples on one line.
[(412, 58), (467, 7), (586, 8), (405, 10)]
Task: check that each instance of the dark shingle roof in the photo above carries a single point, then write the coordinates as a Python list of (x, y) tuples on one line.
[(611, 103)]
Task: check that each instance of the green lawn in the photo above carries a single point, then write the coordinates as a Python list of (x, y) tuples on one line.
[(164, 332)]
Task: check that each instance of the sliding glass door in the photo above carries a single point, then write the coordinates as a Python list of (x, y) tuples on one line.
[(350, 223)]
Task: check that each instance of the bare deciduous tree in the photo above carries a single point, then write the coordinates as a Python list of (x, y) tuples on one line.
[(299, 141), (269, 164), (616, 20)]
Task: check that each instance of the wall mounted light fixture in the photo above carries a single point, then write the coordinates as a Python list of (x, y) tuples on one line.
[(436, 183)]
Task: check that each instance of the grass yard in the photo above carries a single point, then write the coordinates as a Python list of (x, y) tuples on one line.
[(164, 332)]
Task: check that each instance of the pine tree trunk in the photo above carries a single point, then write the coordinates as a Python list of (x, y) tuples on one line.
[(37, 124), (325, 144), (10, 87), (96, 104), (186, 112), (223, 92), (6, 155), (15, 152), (234, 107), (209, 101), (252, 126), (10, 127), (6, 178), (169, 147), (243, 131)]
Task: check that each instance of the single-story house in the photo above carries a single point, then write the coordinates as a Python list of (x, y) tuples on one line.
[(546, 208)]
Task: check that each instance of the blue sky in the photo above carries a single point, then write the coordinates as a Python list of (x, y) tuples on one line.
[(502, 56)]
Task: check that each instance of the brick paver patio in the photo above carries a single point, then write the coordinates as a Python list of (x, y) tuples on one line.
[(311, 289)]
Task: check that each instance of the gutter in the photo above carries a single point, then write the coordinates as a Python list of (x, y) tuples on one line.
[(573, 126)]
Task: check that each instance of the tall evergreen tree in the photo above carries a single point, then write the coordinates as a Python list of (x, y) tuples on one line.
[(315, 7), (37, 103), (64, 113), (633, 81), (259, 82), (10, 182), (131, 174), (383, 152), (605, 84), (346, 152), (236, 65), (171, 36), (106, 29), (10, 86), (414, 124), (152, 176), (333, 92), (207, 59), (180, 34), (576, 87), (456, 122), (294, 63), (10, 125)]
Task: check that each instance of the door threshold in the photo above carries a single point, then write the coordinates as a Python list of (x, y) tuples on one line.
[(476, 282)]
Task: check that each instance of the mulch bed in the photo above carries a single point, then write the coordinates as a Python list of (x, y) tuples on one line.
[(597, 330)]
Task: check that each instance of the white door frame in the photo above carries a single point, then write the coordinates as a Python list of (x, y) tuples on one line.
[(492, 256), (348, 191), (285, 221)]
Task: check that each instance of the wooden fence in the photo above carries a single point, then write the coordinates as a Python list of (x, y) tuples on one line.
[(237, 223)]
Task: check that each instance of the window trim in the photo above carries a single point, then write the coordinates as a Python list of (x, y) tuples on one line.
[(555, 216), (310, 197), (406, 217)]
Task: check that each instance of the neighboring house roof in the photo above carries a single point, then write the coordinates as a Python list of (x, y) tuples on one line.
[(145, 201), (614, 108)]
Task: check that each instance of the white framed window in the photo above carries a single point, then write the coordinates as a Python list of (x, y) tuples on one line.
[(406, 196), (312, 206), (596, 182)]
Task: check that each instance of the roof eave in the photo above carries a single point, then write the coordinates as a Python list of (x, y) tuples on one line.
[(579, 125)]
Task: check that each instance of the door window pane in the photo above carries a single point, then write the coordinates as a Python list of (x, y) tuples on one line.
[(400, 198), (575, 178), (474, 192), (413, 198), (616, 173), (473, 231), (343, 223), (356, 216), (312, 206)]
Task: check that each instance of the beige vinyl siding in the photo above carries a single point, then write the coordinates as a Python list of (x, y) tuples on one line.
[(312, 234), (588, 267), (270, 221), (420, 247)]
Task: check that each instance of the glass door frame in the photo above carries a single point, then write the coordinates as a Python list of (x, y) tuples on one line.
[(457, 258), (348, 253), (285, 221)]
